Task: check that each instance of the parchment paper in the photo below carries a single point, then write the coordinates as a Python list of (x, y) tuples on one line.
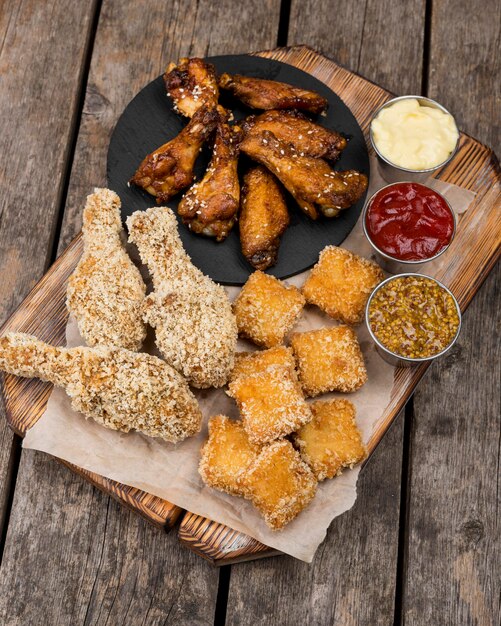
[(171, 471)]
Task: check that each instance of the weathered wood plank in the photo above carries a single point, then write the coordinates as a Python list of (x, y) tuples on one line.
[(80, 558), (37, 108), (351, 581), (380, 39), (465, 65), (103, 565), (454, 546), (453, 529)]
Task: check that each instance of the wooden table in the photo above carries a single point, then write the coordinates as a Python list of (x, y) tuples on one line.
[(422, 543)]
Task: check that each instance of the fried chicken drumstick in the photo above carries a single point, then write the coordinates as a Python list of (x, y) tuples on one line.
[(305, 136), (106, 292), (210, 207), (120, 389), (263, 217), (258, 93), (314, 185), (191, 84), (169, 169), (195, 328)]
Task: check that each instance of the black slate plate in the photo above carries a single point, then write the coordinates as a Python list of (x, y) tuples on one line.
[(149, 121)]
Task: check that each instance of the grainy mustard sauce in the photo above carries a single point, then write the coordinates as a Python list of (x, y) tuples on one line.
[(413, 317)]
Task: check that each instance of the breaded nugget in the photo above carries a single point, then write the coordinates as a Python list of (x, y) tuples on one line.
[(331, 440), (248, 363), (329, 359), (267, 309), (340, 284), (226, 455), (279, 484), (271, 404)]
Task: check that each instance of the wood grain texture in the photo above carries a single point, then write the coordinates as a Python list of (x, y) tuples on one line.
[(465, 65), (381, 39), (352, 579), (37, 110), (82, 559), (454, 529), (451, 572), (474, 167)]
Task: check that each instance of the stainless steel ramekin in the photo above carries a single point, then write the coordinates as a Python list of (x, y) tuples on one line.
[(392, 264), (392, 357), (395, 173)]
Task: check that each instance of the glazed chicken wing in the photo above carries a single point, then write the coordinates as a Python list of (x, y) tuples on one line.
[(263, 217), (308, 138), (119, 389), (106, 292), (191, 84), (314, 185), (195, 328), (169, 169), (259, 93), (210, 207)]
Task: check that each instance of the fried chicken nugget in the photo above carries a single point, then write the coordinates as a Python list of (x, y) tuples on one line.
[(248, 363), (329, 359), (270, 403), (340, 284), (279, 484), (331, 441), (267, 309), (226, 455)]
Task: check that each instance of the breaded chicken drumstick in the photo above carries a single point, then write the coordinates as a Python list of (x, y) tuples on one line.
[(195, 328), (119, 389), (106, 291)]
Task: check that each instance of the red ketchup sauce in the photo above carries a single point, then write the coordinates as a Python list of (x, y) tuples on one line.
[(409, 222)]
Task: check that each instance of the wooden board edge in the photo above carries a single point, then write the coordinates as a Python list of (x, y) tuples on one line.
[(206, 541), (194, 535), (159, 513)]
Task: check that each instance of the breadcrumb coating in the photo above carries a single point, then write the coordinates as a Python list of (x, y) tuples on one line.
[(226, 455), (329, 359), (340, 284), (271, 404), (195, 328), (119, 389), (248, 363), (106, 292), (332, 440), (279, 484), (267, 309)]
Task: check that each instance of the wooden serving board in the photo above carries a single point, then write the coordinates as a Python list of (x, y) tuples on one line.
[(471, 256)]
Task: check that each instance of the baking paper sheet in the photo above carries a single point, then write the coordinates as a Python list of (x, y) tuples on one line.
[(171, 471)]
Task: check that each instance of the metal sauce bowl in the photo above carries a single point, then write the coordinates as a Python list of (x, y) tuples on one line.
[(392, 357), (390, 263), (395, 173)]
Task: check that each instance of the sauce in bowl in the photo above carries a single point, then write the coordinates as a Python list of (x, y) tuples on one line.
[(413, 316), (414, 135), (409, 222)]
